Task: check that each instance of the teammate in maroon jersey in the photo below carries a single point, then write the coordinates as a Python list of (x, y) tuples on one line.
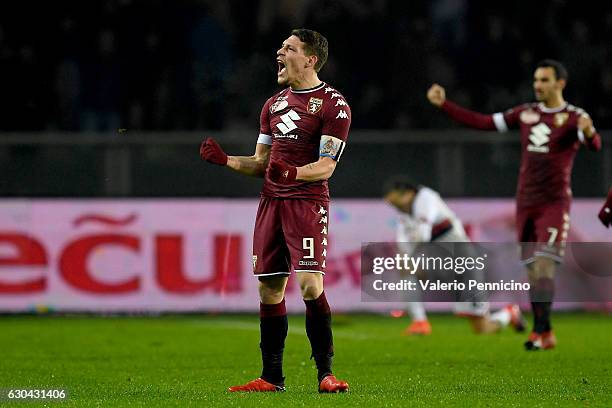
[(551, 130), (303, 130)]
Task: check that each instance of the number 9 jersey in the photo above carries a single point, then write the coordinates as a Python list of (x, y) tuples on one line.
[(292, 224), (302, 126)]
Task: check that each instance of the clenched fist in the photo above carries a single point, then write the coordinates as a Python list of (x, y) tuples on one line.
[(212, 152), (436, 95)]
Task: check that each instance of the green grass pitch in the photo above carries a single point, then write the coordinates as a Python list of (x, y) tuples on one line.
[(191, 360)]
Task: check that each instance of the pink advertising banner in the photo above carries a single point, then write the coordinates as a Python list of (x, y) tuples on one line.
[(195, 255)]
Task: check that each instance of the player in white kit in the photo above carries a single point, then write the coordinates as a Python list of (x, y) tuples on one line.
[(425, 217)]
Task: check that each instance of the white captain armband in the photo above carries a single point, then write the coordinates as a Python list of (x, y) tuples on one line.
[(500, 122), (331, 147), (264, 139)]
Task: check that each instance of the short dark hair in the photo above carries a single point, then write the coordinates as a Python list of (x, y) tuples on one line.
[(399, 183), (559, 68), (314, 44)]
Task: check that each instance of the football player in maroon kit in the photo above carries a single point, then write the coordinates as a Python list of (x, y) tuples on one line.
[(302, 134), (551, 131)]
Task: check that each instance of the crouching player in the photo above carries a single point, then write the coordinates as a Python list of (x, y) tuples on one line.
[(424, 217)]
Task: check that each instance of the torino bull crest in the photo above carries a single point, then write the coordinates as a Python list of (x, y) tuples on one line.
[(314, 105)]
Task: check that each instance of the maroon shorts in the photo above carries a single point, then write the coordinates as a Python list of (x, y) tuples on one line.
[(542, 231), (290, 234)]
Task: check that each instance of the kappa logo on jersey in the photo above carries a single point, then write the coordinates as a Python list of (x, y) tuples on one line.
[(341, 102), (335, 95), (254, 262), (329, 89), (560, 119), (538, 138), (314, 105), (529, 117), (342, 115), (288, 122), (279, 105)]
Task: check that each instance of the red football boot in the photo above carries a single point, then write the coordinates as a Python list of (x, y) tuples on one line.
[(534, 341), (330, 384), (544, 341), (549, 340), (418, 328), (258, 385)]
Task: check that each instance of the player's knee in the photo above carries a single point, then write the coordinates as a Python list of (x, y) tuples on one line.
[(272, 291), (311, 291), (270, 295), (311, 287), (541, 268)]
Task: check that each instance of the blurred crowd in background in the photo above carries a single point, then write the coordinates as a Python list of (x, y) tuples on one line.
[(187, 65)]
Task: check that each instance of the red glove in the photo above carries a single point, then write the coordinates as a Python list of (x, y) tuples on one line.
[(212, 152), (605, 215), (280, 172)]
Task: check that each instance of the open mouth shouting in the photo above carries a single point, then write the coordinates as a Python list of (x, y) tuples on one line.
[(282, 69)]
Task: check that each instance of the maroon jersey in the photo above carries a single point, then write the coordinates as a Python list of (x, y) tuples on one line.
[(549, 141), (302, 126)]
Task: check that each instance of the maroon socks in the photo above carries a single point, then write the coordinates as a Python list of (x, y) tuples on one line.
[(273, 328), (318, 329)]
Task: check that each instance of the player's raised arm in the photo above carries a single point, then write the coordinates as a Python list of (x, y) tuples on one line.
[(587, 133), (254, 165), (437, 96)]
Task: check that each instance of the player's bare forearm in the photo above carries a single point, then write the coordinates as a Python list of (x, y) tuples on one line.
[(254, 165), (247, 165), (319, 170)]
